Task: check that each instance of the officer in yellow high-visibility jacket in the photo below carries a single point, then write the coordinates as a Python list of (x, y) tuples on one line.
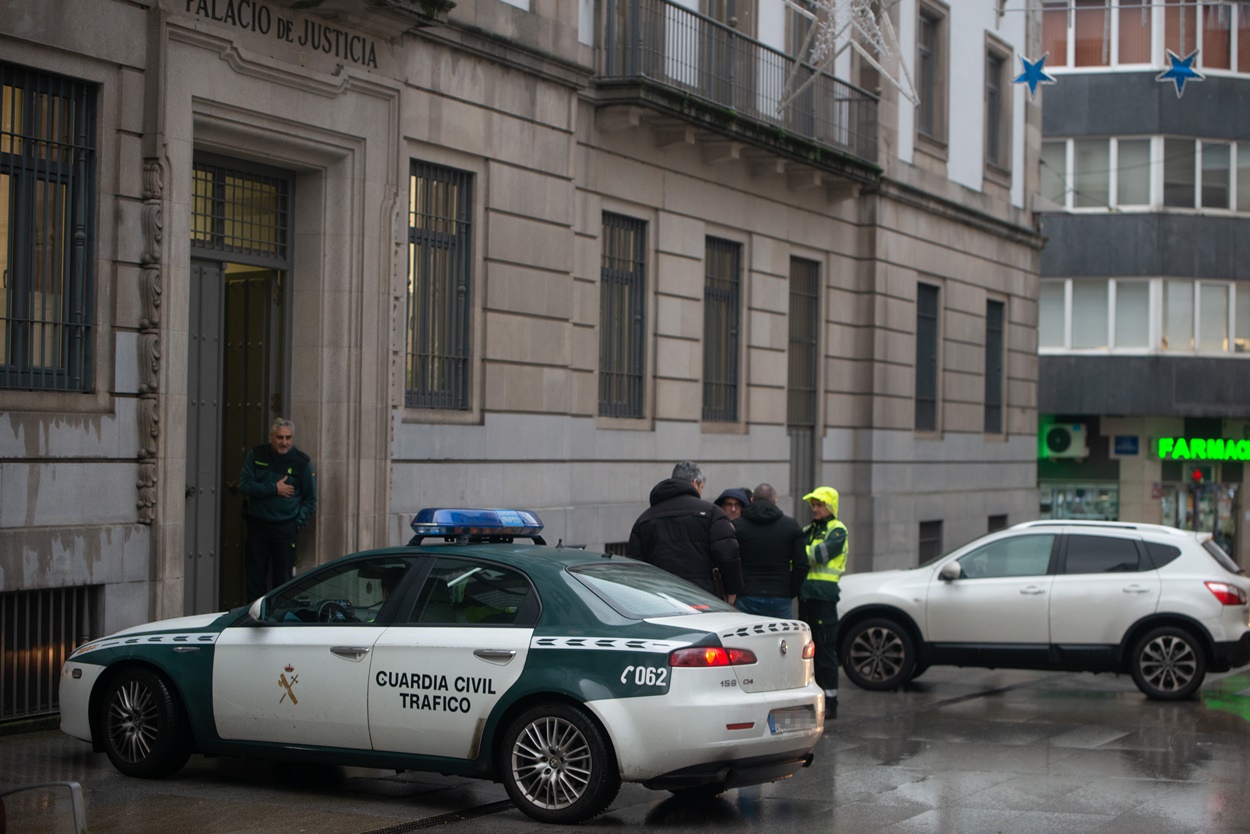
[(818, 596)]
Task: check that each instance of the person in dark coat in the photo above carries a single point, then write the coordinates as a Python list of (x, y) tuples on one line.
[(279, 484), (771, 547), (687, 536)]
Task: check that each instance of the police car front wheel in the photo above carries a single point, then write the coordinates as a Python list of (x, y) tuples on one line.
[(557, 766), (144, 726)]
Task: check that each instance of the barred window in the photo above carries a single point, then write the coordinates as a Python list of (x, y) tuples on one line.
[(721, 316), (440, 249), (47, 217), (622, 304), (241, 210), (995, 349), (926, 357)]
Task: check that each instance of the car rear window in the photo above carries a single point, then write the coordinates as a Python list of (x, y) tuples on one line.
[(1220, 556), (639, 591)]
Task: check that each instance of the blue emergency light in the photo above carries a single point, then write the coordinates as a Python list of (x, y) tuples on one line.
[(469, 525)]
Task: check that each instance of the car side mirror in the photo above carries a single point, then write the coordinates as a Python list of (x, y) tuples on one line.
[(951, 571), (256, 614)]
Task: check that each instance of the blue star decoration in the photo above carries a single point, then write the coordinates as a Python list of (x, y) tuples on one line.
[(1182, 70), (1034, 73)]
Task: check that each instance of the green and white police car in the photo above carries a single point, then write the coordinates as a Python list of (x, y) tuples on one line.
[(560, 672)]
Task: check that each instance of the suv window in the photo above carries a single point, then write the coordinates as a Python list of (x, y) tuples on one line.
[(1014, 556), (1161, 554), (1102, 554)]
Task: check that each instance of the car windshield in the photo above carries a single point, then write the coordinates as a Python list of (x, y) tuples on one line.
[(639, 591)]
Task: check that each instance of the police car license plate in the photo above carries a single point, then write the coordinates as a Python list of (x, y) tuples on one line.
[(791, 719)]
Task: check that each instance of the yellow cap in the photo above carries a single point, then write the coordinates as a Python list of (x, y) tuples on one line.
[(825, 495)]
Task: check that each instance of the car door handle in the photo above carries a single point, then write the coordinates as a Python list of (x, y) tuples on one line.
[(350, 652), (1033, 590), (1136, 589), (500, 656)]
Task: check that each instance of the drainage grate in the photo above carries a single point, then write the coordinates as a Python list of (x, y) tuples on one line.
[(445, 819)]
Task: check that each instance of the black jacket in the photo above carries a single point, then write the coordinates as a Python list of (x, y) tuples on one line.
[(687, 536), (771, 547)]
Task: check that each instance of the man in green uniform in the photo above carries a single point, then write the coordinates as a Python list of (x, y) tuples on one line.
[(826, 539), (280, 487)]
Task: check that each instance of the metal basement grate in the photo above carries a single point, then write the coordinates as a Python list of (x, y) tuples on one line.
[(38, 630)]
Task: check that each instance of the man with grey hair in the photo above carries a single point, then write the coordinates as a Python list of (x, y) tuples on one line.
[(279, 486), (687, 536)]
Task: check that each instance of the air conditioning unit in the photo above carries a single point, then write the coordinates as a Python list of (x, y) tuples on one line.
[(1066, 440)]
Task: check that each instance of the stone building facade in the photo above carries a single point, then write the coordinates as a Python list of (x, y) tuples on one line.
[(496, 253)]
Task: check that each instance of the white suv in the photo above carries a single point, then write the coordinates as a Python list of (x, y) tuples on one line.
[(1162, 604)]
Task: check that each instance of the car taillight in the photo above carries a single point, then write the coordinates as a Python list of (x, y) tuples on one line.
[(711, 656), (1227, 594), (809, 650)]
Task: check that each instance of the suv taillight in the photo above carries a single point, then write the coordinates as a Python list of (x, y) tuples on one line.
[(1226, 593), (711, 656)]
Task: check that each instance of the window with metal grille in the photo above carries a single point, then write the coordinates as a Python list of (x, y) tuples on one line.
[(440, 250), (38, 630), (47, 221), (804, 373), (622, 305), (930, 541), (926, 357), (721, 315), (994, 350), (245, 212)]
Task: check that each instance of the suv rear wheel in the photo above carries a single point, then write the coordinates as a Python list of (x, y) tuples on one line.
[(1168, 664), (878, 653)]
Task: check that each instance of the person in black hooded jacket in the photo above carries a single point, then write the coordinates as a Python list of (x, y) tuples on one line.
[(774, 559), (687, 536)]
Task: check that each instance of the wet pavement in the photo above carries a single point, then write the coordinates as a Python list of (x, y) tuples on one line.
[(959, 751)]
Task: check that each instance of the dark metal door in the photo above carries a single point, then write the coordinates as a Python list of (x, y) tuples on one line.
[(235, 382), (251, 398), (729, 66), (203, 508)]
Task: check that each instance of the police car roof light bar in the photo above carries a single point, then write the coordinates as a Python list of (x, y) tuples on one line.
[(466, 525)]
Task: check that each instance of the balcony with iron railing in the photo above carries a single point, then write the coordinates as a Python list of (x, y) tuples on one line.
[(686, 69)]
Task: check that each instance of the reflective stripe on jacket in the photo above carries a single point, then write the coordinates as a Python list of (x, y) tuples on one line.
[(826, 566)]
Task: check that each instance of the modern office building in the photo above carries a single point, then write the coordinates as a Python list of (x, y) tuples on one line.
[(497, 253), (1144, 331)]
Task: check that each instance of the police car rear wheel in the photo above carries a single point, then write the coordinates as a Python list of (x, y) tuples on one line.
[(557, 766), (145, 732)]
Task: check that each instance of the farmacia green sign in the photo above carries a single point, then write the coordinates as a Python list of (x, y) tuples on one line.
[(1197, 448)]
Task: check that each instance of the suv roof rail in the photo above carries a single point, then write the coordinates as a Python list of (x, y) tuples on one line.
[(1107, 525)]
